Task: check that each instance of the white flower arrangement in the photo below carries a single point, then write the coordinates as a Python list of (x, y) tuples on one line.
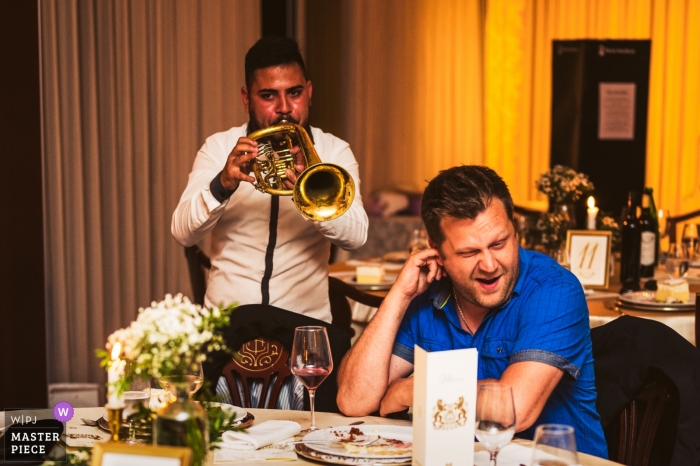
[(562, 184), (167, 338), (553, 227)]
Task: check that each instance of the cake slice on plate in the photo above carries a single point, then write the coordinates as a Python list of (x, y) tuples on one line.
[(672, 291)]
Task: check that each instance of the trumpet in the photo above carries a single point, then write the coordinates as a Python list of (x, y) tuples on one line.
[(323, 191)]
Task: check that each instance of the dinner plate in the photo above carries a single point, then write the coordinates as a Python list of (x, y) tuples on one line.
[(305, 451), (243, 418), (350, 278), (399, 439), (644, 300), (396, 256)]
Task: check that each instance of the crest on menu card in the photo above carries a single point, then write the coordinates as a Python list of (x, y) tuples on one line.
[(450, 415)]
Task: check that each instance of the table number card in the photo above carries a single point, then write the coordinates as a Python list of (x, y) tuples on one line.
[(444, 401)]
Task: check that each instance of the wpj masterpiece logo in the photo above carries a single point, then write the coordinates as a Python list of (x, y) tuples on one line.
[(35, 435)]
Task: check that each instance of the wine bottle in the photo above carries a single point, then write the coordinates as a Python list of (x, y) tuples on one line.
[(648, 229), (631, 247), (655, 215)]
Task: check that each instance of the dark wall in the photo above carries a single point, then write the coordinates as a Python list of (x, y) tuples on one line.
[(578, 68), (22, 303), (323, 63)]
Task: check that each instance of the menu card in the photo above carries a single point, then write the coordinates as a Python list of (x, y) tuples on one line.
[(444, 402)]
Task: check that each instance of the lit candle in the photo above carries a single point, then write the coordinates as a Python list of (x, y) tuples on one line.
[(116, 369), (592, 213)]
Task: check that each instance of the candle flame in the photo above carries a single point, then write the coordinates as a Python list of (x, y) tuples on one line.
[(591, 202), (116, 350)]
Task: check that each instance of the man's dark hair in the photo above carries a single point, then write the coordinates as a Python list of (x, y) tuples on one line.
[(462, 193), (272, 51)]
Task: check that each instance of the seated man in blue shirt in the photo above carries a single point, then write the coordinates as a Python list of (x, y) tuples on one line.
[(477, 288)]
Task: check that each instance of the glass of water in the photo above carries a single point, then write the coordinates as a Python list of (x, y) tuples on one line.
[(690, 238), (555, 445), (495, 417), (677, 260)]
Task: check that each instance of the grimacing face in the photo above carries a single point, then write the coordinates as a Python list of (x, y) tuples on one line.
[(480, 256), (277, 93)]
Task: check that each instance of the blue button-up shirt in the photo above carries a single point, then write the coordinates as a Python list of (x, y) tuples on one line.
[(545, 320)]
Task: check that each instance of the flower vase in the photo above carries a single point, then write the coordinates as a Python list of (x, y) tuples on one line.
[(183, 422), (566, 209)]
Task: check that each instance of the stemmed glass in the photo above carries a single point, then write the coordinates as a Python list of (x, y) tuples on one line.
[(690, 238), (495, 417), (419, 240), (311, 361), (555, 445), (139, 391), (193, 378), (677, 260)]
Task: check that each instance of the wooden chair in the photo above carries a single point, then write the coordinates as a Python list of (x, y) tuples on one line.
[(639, 423), (697, 320), (197, 264), (338, 293), (260, 359)]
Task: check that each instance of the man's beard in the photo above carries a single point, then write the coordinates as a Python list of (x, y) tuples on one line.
[(470, 295)]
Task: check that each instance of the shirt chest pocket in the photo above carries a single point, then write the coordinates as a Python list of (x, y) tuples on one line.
[(434, 344), (494, 355)]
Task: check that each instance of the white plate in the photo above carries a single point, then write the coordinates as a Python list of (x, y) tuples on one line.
[(227, 408), (349, 278), (230, 409), (645, 299), (334, 435), (396, 256)]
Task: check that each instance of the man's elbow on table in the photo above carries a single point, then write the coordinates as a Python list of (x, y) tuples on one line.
[(356, 405), (524, 419)]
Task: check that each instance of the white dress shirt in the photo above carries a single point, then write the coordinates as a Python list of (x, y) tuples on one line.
[(246, 269)]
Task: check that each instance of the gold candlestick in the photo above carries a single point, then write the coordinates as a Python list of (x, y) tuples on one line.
[(114, 418)]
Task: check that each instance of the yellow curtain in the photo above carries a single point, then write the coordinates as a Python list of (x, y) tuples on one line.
[(130, 90), (412, 87), (517, 67)]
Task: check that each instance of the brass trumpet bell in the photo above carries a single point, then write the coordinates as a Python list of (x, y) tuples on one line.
[(323, 191)]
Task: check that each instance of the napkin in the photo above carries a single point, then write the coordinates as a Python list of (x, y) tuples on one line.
[(261, 435), (248, 456)]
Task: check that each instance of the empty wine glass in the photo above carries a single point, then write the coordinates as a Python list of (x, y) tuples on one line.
[(561, 255), (139, 391), (193, 379), (311, 361), (690, 238), (495, 417), (555, 445), (677, 260), (419, 240)]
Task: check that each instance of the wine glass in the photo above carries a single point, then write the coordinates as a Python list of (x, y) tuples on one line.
[(677, 260), (139, 390), (311, 361), (495, 417), (561, 255), (193, 378), (555, 445), (690, 238), (419, 240)]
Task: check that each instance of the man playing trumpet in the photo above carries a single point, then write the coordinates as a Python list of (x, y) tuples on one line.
[(263, 250)]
